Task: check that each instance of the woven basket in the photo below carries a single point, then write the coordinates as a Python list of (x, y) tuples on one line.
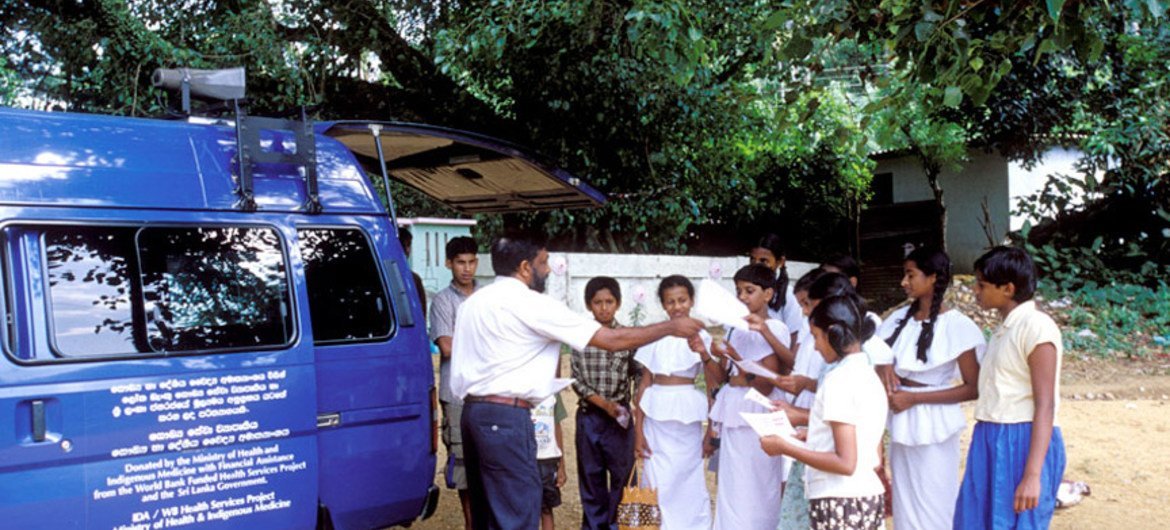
[(639, 507)]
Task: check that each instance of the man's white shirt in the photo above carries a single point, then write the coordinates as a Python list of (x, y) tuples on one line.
[(507, 341)]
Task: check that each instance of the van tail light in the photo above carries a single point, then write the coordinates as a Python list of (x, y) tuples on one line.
[(434, 420)]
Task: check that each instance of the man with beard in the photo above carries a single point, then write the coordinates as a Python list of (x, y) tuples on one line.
[(504, 356)]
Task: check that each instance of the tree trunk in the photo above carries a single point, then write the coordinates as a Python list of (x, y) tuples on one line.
[(933, 170)]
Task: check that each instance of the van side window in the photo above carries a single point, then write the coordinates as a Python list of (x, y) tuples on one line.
[(212, 288), (127, 290), (347, 299), (92, 273)]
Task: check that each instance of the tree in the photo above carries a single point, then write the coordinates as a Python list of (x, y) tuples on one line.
[(644, 99)]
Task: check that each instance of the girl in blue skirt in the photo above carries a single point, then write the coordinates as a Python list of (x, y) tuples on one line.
[(1016, 456)]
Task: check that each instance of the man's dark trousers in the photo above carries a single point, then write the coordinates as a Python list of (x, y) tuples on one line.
[(605, 455), (499, 451)]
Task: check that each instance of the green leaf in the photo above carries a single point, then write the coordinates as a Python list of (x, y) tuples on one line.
[(976, 63), (775, 20), (952, 96), (1054, 8), (798, 48), (922, 30)]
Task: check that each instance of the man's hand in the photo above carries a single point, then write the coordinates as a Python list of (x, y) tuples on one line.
[(685, 327)]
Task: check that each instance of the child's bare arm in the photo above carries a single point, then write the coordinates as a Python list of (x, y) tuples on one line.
[(968, 368), (641, 450), (842, 461), (1042, 364)]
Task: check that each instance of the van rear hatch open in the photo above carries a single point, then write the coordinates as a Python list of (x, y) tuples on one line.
[(467, 172)]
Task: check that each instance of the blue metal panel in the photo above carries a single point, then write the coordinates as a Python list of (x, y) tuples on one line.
[(216, 439), (381, 391), (92, 160)]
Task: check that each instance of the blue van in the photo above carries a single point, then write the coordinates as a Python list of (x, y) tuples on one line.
[(210, 325)]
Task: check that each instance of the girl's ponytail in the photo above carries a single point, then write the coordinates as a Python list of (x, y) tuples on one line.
[(844, 322), (772, 243)]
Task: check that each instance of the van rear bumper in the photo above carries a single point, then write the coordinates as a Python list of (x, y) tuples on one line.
[(431, 504)]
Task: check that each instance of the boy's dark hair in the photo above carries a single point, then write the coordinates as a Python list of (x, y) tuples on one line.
[(775, 244), (509, 253), (595, 285), (404, 236), (845, 264), (461, 245), (932, 262), (675, 280), (1003, 265), (843, 321), (806, 281), (757, 274)]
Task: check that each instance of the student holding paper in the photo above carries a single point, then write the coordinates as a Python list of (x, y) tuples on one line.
[(668, 423), (749, 481), (846, 424)]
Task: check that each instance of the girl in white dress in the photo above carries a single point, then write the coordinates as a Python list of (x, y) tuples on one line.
[(669, 417), (845, 426), (770, 252), (750, 481), (933, 346)]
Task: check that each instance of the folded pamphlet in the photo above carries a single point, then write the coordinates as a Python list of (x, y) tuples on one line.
[(714, 303), (755, 368), (772, 424)]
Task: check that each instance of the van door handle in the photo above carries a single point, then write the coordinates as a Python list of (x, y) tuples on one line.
[(325, 421), (38, 420)]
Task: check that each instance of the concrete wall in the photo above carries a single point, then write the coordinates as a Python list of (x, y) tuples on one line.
[(1023, 182), (638, 276), (985, 176)]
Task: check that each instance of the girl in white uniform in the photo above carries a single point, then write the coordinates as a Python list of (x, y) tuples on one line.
[(933, 346), (670, 414), (845, 426), (750, 482), (770, 252)]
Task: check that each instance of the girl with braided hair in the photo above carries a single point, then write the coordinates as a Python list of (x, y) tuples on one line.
[(770, 252), (933, 346)]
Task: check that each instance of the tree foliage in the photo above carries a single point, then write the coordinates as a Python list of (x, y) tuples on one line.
[(699, 119)]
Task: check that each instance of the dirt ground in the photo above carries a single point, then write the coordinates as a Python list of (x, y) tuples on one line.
[(1115, 416)]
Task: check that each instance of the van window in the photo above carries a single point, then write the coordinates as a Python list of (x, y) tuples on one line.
[(125, 290), (210, 288), (92, 276), (347, 299)]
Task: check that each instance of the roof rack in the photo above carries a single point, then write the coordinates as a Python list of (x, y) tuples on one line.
[(251, 152)]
